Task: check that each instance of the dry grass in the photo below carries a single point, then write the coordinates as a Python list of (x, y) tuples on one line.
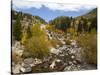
[(88, 42)]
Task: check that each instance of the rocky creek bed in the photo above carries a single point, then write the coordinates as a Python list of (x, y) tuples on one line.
[(61, 58)]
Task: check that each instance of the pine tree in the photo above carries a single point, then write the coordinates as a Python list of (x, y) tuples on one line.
[(17, 29)]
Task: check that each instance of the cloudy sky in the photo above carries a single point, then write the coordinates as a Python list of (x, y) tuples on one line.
[(49, 11)]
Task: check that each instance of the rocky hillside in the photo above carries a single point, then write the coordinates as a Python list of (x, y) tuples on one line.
[(21, 22), (26, 19), (91, 14), (26, 15)]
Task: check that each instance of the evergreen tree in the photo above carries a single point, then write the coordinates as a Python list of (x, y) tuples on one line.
[(17, 30)]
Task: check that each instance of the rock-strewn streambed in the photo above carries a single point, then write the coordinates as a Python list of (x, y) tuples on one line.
[(65, 57)]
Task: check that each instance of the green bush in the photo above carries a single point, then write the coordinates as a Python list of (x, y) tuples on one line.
[(37, 45), (36, 31), (88, 42)]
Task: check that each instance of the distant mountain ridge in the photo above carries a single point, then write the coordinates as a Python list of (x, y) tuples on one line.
[(27, 17), (90, 14)]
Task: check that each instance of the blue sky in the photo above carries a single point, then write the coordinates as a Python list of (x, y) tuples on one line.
[(49, 11)]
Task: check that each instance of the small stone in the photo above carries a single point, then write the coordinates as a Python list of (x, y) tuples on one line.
[(58, 60), (63, 42), (26, 68), (52, 65), (70, 63), (37, 61), (73, 43), (78, 66), (72, 56), (57, 46), (62, 55), (74, 62), (22, 69)]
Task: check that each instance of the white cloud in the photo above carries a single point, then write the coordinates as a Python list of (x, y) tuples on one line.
[(25, 4)]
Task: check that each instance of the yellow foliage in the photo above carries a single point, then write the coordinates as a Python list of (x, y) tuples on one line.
[(38, 44), (89, 45), (70, 30), (24, 38)]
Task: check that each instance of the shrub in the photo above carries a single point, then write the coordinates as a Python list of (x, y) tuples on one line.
[(88, 43), (36, 31), (24, 38), (37, 45)]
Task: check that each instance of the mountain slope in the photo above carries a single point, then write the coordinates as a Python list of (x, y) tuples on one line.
[(91, 14), (24, 17)]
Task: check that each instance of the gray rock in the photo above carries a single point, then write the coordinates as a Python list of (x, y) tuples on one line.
[(70, 62), (54, 51), (32, 62), (37, 61), (28, 60), (55, 63), (52, 65), (16, 69), (26, 68), (72, 68), (75, 62)]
